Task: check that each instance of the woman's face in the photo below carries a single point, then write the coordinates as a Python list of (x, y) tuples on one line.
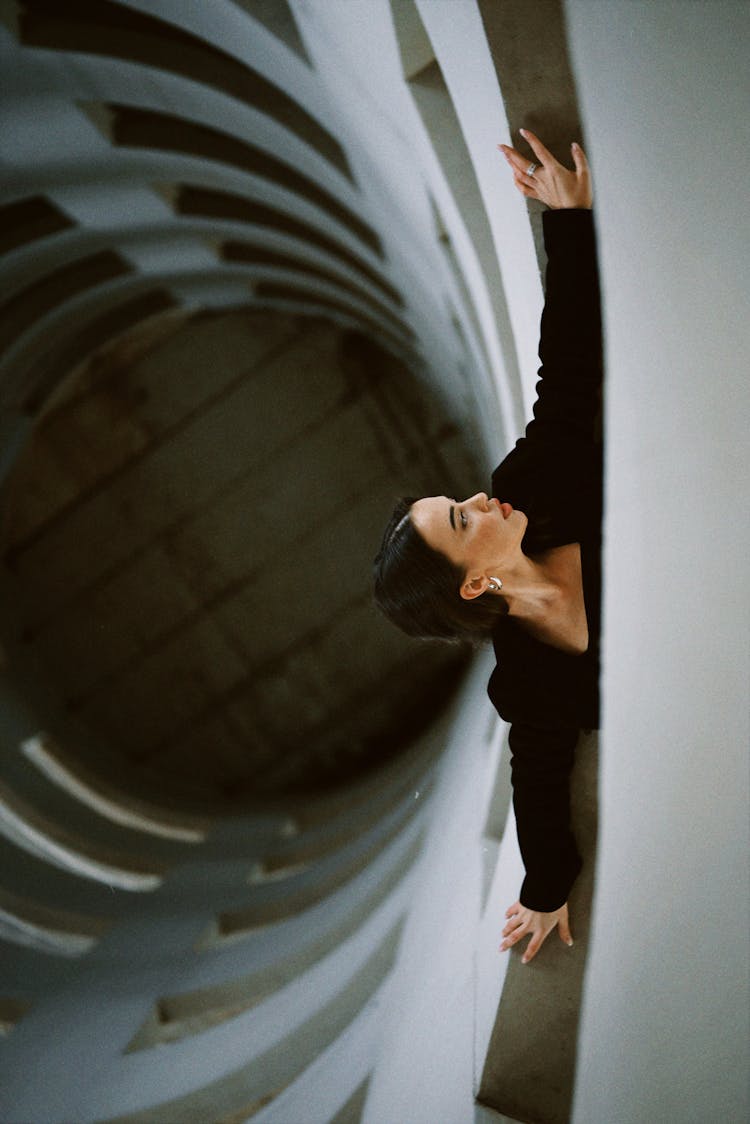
[(479, 535)]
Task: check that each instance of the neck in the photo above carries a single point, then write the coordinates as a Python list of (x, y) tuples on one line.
[(545, 594), (533, 587)]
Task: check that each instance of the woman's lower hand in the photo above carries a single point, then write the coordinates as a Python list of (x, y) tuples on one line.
[(523, 922), (550, 182)]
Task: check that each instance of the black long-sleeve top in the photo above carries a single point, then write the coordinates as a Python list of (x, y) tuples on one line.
[(554, 475)]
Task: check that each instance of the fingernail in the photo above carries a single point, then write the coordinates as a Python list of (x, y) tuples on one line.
[(574, 145), (523, 134), (570, 943), (524, 960)]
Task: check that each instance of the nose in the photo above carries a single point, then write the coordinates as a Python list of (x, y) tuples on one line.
[(480, 500)]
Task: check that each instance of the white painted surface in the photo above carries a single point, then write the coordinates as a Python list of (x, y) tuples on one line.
[(327, 1084), (354, 46), (664, 90), (490, 964), (457, 35), (424, 1070)]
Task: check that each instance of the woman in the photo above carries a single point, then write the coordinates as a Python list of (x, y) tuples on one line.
[(522, 567)]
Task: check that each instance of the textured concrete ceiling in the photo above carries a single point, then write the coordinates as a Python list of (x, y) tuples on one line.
[(188, 540)]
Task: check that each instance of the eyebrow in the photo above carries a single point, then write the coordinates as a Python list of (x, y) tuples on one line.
[(451, 517)]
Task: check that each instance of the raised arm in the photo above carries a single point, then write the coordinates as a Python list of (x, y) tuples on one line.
[(556, 460), (570, 348)]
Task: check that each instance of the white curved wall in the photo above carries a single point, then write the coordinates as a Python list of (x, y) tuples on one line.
[(664, 94)]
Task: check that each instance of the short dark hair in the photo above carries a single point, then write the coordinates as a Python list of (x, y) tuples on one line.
[(418, 588)]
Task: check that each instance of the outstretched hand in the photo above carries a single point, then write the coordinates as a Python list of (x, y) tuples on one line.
[(523, 922), (550, 182)]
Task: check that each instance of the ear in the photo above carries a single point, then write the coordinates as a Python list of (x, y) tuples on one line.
[(473, 586)]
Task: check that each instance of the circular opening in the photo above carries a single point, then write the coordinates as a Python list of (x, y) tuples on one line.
[(188, 540)]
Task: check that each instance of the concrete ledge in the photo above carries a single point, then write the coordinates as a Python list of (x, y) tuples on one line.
[(529, 1069)]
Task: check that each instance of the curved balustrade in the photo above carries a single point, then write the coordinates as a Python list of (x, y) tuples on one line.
[(137, 127), (123, 32), (84, 785), (205, 203), (302, 1028), (31, 303), (27, 220), (58, 931), (278, 899), (282, 950), (24, 826)]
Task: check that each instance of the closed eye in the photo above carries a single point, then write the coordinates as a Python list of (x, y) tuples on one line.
[(463, 518)]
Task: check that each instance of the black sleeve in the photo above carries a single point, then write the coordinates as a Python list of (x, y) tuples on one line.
[(541, 762), (560, 452), (570, 346), (569, 388)]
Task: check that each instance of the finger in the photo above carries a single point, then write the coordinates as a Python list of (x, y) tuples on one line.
[(563, 929), (543, 154), (579, 158), (510, 941), (515, 159), (514, 937), (512, 909), (514, 932), (533, 946), (513, 924)]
